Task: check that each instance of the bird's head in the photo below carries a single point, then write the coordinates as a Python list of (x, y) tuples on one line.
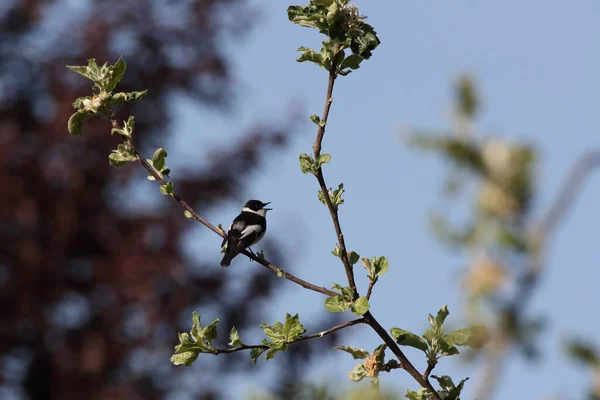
[(256, 206)]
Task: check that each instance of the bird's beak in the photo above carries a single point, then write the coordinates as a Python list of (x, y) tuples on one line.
[(266, 204)]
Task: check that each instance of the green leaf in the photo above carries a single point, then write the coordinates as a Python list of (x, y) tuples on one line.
[(75, 124), (337, 304), (368, 265), (185, 355), (315, 119), (358, 373), (356, 353), (255, 353), (284, 333), (313, 16), (121, 156), (196, 332), (365, 42), (353, 257), (381, 266), (90, 71), (360, 306), (466, 97), (234, 338), (407, 338), (167, 189), (441, 316), (194, 343), (187, 214), (158, 159), (334, 195), (446, 349), (419, 395), (352, 62), (130, 97), (346, 291), (307, 163), (128, 127), (323, 159), (209, 333), (449, 390), (106, 77), (114, 75), (281, 334), (311, 56), (337, 251), (292, 328), (474, 336)]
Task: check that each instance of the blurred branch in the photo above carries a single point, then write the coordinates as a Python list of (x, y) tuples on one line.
[(300, 339), (280, 272), (562, 203), (569, 190)]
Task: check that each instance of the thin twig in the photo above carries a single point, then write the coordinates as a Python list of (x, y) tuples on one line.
[(290, 277), (370, 289), (140, 160), (430, 366), (317, 152), (299, 339)]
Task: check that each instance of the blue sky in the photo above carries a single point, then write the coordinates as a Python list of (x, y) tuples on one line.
[(536, 63)]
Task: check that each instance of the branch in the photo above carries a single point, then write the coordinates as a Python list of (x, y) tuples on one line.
[(290, 277), (140, 160), (370, 289), (406, 364), (430, 366), (321, 179), (568, 191), (562, 203), (299, 339)]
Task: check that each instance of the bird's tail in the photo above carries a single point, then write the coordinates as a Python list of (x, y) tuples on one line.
[(230, 251)]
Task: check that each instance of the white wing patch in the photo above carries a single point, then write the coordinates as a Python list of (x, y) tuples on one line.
[(249, 230)]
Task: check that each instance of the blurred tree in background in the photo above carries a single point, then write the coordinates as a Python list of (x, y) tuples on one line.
[(90, 291)]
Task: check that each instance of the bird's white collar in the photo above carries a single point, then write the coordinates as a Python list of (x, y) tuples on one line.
[(262, 213)]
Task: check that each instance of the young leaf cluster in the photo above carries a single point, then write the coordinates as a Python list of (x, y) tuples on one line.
[(449, 390), (435, 343), (158, 162), (280, 335), (346, 301), (197, 341), (104, 102), (309, 165), (353, 256), (370, 368), (375, 267), (344, 27), (334, 195)]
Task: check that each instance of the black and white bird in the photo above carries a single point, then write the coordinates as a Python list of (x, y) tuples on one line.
[(245, 230)]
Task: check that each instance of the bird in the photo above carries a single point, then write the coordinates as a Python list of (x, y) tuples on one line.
[(247, 229)]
